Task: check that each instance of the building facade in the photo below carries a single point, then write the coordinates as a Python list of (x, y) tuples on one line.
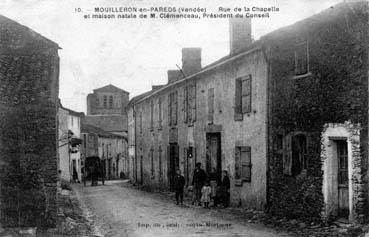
[(69, 143), (106, 109), (215, 115), (112, 149), (107, 100), (29, 83), (319, 115)]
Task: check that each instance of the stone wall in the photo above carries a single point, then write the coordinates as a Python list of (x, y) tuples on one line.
[(333, 91), (29, 70)]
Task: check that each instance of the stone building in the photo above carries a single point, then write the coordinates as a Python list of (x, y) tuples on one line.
[(318, 127), (216, 115), (29, 83), (111, 148), (69, 142), (286, 115), (106, 109)]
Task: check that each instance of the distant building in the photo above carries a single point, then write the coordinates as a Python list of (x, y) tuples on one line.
[(106, 109), (109, 147), (107, 100), (29, 84), (69, 142)]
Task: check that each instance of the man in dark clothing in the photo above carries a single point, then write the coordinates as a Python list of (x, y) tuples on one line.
[(179, 182), (198, 180), (223, 192)]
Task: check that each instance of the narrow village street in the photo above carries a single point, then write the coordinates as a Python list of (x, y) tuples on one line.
[(124, 211)]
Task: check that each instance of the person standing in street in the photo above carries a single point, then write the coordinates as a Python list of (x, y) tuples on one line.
[(224, 186), (179, 182), (206, 191), (198, 180)]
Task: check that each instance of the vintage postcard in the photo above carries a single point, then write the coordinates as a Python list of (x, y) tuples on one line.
[(184, 118)]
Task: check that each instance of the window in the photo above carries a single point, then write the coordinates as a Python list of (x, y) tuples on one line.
[(211, 105), (84, 141), (295, 158), (111, 101), (97, 102), (243, 163), (105, 101), (160, 112), (160, 164), (189, 104), (173, 108), (152, 115), (242, 96), (152, 163), (140, 122), (302, 58)]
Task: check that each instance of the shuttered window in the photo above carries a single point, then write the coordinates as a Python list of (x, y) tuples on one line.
[(211, 105), (246, 94), (152, 115), (105, 101), (185, 104), (189, 104), (152, 163), (173, 108), (160, 112), (295, 153), (160, 164), (301, 58), (242, 97), (243, 163), (111, 101), (170, 109)]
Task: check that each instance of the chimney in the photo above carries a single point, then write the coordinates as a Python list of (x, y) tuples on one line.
[(191, 60), (239, 34), (174, 75)]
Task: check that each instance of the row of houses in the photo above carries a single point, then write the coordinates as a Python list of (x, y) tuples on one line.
[(81, 137), (286, 116)]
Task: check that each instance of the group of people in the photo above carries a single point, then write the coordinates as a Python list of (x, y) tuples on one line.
[(206, 188)]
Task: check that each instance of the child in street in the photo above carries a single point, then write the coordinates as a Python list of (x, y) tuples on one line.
[(206, 191), (179, 182)]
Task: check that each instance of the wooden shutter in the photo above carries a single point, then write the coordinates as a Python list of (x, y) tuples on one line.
[(246, 163), (237, 102), (246, 94), (185, 104), (193, 94), (168, 163), (160, 111), (175, 108), (237, 168), (170, 109), (287, 155), (185, 159), (152, 114), (210, 105)]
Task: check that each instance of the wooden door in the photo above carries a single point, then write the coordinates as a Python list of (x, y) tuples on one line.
[(173, 163), (213, 153), (343, 194)]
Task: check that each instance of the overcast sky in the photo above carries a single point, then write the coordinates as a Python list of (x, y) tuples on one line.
[(135, 54)]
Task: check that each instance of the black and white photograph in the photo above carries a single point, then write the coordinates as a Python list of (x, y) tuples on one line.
[(174, 118)]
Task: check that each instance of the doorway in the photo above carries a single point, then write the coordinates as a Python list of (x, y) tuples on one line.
[(173, 163), (213, 154), (141, 170), (342, 175)]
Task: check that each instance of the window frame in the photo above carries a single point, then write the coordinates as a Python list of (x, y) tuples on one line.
[(239, 102), (240, 176), (297, 73)]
